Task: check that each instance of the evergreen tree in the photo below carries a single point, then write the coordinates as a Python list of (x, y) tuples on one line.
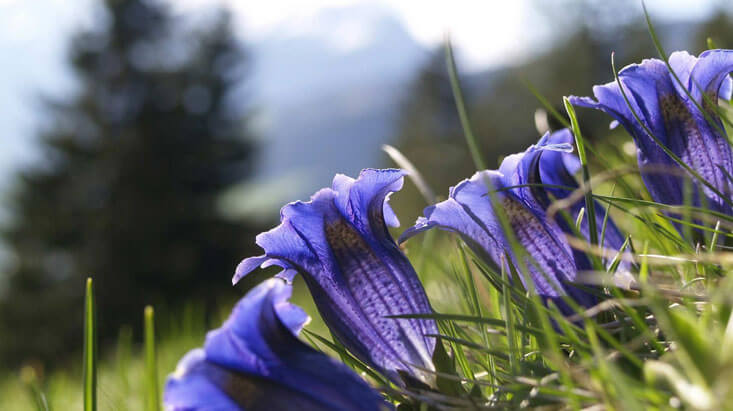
[(127, 192)]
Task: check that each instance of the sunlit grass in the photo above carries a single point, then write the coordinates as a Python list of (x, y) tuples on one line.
[(666, 342), (122, 379)]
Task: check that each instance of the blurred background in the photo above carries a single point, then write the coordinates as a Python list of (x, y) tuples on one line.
[(146, 142)]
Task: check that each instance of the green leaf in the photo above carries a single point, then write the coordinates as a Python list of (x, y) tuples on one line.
[(693, 341), (29, 378), (585, 185), (500, 353), (90, 349), (698, 397), (152, 401), (545, 103), (444, 364), (509, 316), (461, 106)]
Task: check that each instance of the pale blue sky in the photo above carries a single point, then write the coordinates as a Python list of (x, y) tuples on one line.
[(34, 36)]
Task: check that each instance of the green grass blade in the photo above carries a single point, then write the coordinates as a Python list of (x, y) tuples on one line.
[(90, 349), (514, 355), (677, 209), (472, 345), (472, 286), (602, 240), (644, 266), (714, 240), (444, 364), (29, 378), (460, 105), (152, 401), (610, 376), (545, 103), (580, 143), (517, 250)]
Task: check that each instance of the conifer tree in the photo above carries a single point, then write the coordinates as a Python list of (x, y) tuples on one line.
[(127, 190)]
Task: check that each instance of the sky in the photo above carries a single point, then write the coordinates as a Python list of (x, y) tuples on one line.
[(470, 22), (34, 36), (428, 22)]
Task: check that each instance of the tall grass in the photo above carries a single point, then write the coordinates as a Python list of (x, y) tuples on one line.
[(665, 343), (123, 370)]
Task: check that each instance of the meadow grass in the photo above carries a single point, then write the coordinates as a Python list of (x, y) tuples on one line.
[(122, 374), (665, 343)]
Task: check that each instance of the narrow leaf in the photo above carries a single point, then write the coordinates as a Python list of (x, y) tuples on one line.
[(152, 401), (90, 349)]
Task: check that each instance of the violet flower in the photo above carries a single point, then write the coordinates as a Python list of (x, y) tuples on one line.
[(255, 362), (525, 186), (358, 277), (671, 112)]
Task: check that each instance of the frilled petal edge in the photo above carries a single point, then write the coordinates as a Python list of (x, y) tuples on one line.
[(255, 360), (299, 238), (711, 74)]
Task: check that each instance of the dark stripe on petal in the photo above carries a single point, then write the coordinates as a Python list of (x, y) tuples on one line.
[(378, 292), (252, 393), (555, 264), (256, 362)]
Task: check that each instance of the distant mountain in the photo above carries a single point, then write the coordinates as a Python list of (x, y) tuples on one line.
[(328, 91), (335, 49)]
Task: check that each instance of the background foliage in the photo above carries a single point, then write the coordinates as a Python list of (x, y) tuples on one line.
[(150, 231), (136, 162)]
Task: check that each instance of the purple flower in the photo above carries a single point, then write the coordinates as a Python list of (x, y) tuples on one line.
[(468, 211), (670, 111), (255, 362), (356, 273)]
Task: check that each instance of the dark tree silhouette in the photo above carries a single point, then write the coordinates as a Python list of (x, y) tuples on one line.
[(127, 192)]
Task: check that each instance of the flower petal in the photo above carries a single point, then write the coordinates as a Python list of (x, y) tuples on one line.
[(357, 275), (654, 99), (363, 199), (711, 73), (609, 100), (682, 63), (470, 213), (556, 168), (521, 194), (240, 344), (248, 265), (254, 361), (188, 389)]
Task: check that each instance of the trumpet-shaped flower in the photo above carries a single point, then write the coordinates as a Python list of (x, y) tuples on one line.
[(525, 185), (256, 362), (356, 273), (671, 112)]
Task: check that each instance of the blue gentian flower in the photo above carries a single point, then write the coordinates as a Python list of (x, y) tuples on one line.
[(468, 211), (356, 273), (256, 362), (670, 111)]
